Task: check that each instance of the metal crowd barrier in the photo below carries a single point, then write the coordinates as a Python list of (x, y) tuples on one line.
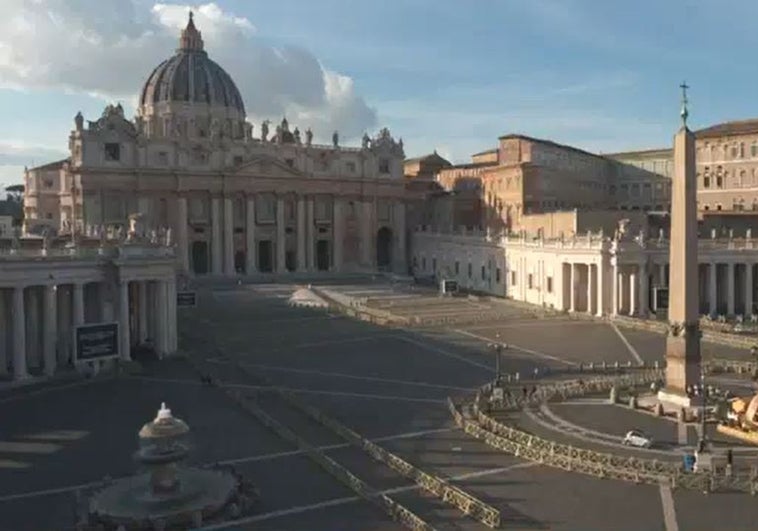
[(396, 511), (450, 494)]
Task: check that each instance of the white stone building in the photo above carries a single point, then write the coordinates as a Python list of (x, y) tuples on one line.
[(237, 203), (593, 274), (46, 293)]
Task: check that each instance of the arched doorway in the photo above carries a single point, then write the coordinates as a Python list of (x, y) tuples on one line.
[(200, 257), (384, 248)]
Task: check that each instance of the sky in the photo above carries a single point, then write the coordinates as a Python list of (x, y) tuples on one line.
[(444, 75)]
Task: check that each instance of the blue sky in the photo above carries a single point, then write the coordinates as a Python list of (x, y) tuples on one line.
[(443, 74)]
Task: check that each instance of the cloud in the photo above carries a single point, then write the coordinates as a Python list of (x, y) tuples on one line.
[(108, 48), (21, 154)]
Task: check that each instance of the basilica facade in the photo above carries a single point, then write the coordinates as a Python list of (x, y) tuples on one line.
[(231, 199)]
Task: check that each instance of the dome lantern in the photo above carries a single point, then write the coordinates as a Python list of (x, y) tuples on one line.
[(191, 39)]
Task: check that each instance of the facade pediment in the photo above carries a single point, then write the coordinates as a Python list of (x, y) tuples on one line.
[(268, 166)]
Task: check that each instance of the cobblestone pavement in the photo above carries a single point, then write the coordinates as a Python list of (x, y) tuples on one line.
[(384, 383)]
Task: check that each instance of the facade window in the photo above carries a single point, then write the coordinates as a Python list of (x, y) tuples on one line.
[(742, 150), (529, 281), (513, 278), (706, 181), (484, 274), (497, 275), (112, 151), (470, 270), (742, 178), (351, 167), (434, 265), (265, 208), (754, 150), (718, 207), (423, 263), (549, 286), (384, 166), (290, 162), (415, 262), (719, 181), (706, 207), (237, 160), (457, 268)]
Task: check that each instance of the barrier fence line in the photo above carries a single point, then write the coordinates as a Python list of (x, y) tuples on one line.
[(396, 511), (450, 494)]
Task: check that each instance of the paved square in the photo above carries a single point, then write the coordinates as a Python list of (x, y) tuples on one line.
[(387, 384)]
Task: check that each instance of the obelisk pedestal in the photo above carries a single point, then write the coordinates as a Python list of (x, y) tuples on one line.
[(683, 358)]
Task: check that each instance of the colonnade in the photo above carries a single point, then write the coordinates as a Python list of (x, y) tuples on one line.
[(309, 234), (37, 322)]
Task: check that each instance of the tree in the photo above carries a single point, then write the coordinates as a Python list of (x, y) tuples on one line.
[(15, 192)]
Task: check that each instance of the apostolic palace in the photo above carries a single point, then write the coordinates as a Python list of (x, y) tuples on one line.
[(189, 188)]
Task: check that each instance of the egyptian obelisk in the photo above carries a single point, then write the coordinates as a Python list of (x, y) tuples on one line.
[(683, 339)]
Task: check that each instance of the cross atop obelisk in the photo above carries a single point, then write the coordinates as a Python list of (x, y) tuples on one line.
[(683, 339)]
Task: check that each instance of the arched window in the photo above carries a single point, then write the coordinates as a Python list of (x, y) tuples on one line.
[(754, 150), (742, 150), (741, 182)]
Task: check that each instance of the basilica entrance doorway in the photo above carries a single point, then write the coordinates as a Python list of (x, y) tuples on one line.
[(384, 248), (265, 256), (200, 258), (322, 255), (239, 261)]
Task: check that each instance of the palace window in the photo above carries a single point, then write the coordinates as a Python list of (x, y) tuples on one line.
[(434, 265), (742, 150), (719, 181), (513, 278), (706, 181), (423, 263), (497, 275), (484, 273), (529, 281), (549, 282), (457, 268), (351, 167), (290, 162), (470, 270), (112, 151), (754, 150)]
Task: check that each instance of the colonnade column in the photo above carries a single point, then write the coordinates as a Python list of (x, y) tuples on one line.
[(338, 233), (572, 293), (4, 328), (181, 233), (730, 289), (748, 289), (712, 288), (216, 256), (19, 334), (398, 212), (78, 304), (633, 293), (644, 290), (161, 318), (600, 270), (142, 308), (310, 239), (228, 237), (662, 280), (280, 236), (252, 250), (301, 260), (591, 287), (171, 340), (123, 320), (50, 329), (616, 287)]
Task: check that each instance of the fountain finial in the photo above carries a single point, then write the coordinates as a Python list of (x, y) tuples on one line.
[(163, 413)]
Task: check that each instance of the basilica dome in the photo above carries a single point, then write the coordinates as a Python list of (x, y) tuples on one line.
[(191, 77)]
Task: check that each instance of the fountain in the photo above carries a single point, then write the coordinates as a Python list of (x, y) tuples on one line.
[(168, 495)]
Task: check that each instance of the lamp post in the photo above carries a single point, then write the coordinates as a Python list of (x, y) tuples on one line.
[(498, 347), (704, 391)]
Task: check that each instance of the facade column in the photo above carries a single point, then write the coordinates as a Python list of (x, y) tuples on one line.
[(301, 260), (310, 240), (251, 248), (216, 256), (338, 232), (281, 243), (398, 214), (572, 284), (228, 237), (19, 335), (33, 355), (713, 288), (142, 309), (600, 271), (616, 288), (78, 302), (748, 289), (367, 234), (181, 234), (64, 324), (730, 289), (123, 321), (590, 288), (644, 290), (50, 330)]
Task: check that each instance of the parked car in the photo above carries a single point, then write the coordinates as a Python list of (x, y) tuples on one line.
[(638, 439)]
